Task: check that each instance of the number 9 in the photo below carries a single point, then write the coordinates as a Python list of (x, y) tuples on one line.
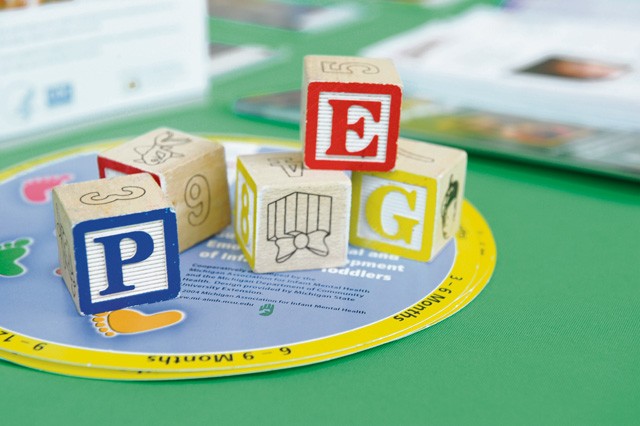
[(198, 198)]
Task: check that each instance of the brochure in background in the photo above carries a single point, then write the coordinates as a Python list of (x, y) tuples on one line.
[(596, 10), (225, 58), (285, 15), (66, 62), (549, 67)]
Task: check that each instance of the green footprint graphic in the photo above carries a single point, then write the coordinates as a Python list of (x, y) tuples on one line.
[(266, 310), (10, 253)]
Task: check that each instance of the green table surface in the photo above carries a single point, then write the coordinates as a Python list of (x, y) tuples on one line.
[(553, 339)]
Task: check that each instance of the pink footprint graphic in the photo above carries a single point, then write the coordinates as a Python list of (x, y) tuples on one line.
[(38, 190)]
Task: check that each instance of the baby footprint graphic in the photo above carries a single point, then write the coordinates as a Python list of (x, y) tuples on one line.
[(10, 254), (38, 190), (131, 321)]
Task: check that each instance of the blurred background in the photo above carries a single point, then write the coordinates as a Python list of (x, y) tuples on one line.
[(545, 81)]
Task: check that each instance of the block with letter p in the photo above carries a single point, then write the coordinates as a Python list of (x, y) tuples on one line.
[(117, 243), (351, 113), (414, 210)]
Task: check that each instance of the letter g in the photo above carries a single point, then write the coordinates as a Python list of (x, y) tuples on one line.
[(373, 213)]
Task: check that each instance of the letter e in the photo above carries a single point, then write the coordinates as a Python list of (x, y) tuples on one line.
[(340, 126)]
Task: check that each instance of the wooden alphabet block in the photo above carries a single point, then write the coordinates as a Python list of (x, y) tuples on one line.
[(415, 209), (117, 243), (189, 169), (351, 113), (288, 217)]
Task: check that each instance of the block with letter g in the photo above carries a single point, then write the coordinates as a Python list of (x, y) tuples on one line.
[(414, 210)]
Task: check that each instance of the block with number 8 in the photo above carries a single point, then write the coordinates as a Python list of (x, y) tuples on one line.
[(190, 170), (288, 217)]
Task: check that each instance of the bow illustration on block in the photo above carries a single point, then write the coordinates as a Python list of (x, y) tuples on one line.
[(299, 221), (313, 241)]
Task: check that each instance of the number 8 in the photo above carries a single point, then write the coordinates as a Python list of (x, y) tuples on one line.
[(244, 214)]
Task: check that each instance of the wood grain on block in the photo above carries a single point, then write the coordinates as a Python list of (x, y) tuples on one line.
[(288, 217), (117, 242), (191, 171), (351, 113), (414, 210)]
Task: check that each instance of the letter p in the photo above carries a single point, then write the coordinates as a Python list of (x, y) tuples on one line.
[(113, 257)]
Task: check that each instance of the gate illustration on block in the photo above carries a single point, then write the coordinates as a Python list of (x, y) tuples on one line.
[(299, 221)]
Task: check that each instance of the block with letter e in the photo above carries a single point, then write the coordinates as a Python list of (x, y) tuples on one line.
[(117, 243), (288, 217), (351, 113), (189, 169), (414, 210)]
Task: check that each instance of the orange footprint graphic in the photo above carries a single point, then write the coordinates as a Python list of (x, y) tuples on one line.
[(130, 321)]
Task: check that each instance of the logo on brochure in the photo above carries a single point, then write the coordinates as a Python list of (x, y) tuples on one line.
[(266, 309), (59, 95)]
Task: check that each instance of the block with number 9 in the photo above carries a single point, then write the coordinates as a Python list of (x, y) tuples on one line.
[(288, 217), (189, 169)]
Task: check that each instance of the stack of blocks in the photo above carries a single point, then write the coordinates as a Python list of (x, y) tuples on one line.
[(119, 237), (406, 198)]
